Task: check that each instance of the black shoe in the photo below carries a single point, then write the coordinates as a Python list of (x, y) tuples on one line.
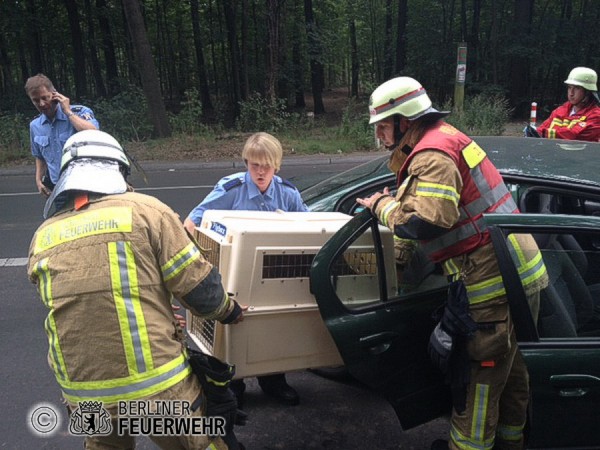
[(238, 387), (277, 387), (439, 444)]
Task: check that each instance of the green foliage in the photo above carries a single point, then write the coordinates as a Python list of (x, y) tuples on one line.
[(482, 115), (189, 119), (259, 114), (125, 116), (355, 126), (14, 138)]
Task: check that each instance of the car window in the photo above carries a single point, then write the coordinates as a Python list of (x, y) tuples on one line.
[(366, 273), (568, 304)]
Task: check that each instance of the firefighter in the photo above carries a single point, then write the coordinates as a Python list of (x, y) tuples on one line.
[(107, 266), (445, 184), (579, 117)]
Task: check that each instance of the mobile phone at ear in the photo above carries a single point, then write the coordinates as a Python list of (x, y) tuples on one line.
[(55, 102)]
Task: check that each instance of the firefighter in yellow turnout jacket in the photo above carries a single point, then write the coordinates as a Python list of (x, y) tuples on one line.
[(107, 266), (446, 183)]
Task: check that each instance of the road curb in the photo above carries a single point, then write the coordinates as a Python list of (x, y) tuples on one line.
[(288, 160)]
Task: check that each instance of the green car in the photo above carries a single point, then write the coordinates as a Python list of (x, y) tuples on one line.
[(382, 325)]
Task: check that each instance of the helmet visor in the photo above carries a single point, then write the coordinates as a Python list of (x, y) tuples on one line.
[(89, 175)]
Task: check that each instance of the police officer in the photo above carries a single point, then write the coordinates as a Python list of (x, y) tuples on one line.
[(57, 122), (579, 117), (257, 189), (106, 266), (445, 184)]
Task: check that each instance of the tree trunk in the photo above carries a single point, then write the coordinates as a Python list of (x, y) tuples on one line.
[(388, 35), (150, 83), (78, 52), (354, 62), (35, 42), (272, 74), (108, 49), (245, 81), (315, 54), (401, 36), (519, 64), (207, 106), (230, 22), (96, 69)]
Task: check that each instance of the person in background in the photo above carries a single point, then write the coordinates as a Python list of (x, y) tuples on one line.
[(446, 183), (107, 263), (257, 189), (579, 117), (57, 122)]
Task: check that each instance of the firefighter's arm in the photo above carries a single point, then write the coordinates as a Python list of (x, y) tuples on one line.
[(209, 300), (426, 205), (189, 277)]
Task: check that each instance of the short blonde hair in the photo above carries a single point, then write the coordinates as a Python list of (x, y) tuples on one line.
[(263, 148)]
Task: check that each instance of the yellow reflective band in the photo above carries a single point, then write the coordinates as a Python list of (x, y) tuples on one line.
[(509, 432), (92, 223), (216, 383), (125, 289), (518, 250), (486, 290), (180, 261), (473, 154), (57, 359), (211, 447), (133, 387), (465, 443), (451, 267), (480, 410), (386, 211), (425, 189)]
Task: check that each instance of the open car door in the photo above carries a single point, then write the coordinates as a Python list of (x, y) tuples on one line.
[(380, 318), (559, 338)]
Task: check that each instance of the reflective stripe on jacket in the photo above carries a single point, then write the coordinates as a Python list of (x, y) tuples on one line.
[(483, 191), (107, 275)]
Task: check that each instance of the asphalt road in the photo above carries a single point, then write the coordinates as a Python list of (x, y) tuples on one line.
[(331, 415)]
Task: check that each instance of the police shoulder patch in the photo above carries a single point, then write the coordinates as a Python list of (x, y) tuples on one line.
[(288, 183), (232, 184)]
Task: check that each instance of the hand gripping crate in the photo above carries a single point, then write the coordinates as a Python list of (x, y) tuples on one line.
[(264, 259)]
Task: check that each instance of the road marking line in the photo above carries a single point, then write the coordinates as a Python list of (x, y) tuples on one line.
[(13, 262)]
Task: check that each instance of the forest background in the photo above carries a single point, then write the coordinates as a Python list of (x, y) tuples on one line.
[(191, 78)]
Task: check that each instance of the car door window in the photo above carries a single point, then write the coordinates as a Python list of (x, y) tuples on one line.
[(366, 273), (568, 305)]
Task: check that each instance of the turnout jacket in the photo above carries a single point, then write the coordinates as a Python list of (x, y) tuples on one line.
[(107, 274), (448, 181), (583, 125)]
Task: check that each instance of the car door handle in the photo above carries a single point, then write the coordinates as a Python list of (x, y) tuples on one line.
[(575, 385), (378, 343)]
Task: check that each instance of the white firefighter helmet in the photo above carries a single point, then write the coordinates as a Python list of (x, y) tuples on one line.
[(404, 96), (584, 77), (92, 161)]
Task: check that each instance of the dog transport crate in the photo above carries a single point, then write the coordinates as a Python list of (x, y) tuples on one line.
[(264, 259)]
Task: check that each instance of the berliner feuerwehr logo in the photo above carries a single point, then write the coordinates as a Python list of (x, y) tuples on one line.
[(90, 418)]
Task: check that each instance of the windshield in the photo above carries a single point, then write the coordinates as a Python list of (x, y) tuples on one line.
[(351, 177)]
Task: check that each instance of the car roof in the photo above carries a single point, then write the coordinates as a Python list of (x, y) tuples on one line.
[(551, 159)]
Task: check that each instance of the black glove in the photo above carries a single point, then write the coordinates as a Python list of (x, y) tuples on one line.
[(233, 315), (440, 348), (531, 131)]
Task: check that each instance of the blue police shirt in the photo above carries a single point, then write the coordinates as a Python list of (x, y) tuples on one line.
[(48, 138), (238, 191)]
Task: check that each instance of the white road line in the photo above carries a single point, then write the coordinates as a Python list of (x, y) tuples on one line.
[(165, 188), (13, 262)]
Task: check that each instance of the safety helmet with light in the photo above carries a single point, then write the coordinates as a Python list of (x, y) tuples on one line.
[(94, 144), (402, 95), (93, 161)]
